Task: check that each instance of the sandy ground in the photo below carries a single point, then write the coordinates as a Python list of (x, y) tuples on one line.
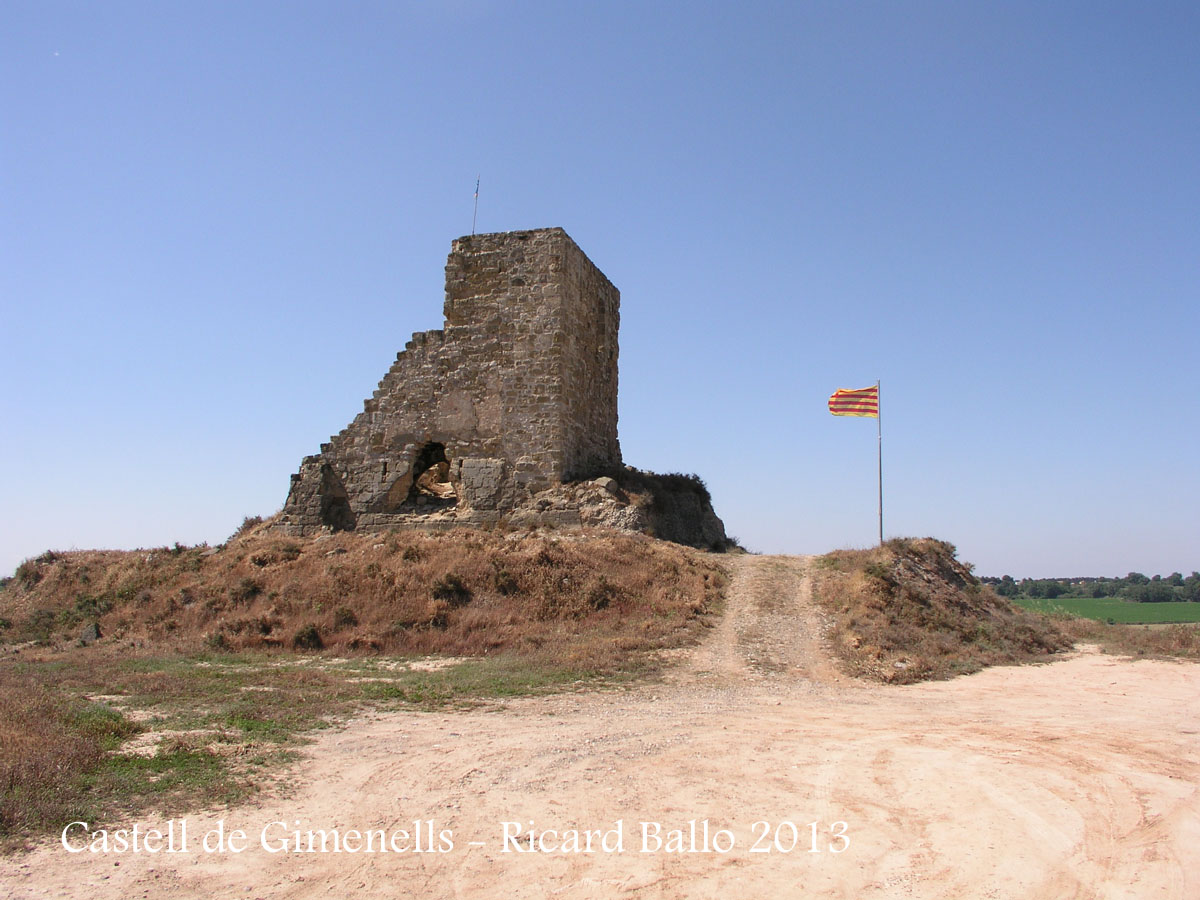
[(1077, 779)]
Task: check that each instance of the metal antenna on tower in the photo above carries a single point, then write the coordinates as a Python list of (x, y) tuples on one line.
[(475, 214)]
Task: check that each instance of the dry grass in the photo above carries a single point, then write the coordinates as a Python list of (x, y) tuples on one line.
[(909, 611), (47, 743), (1146, 641), (217, 650), (213, 728)]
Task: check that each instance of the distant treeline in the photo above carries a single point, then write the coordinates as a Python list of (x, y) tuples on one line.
[(1134, 587)]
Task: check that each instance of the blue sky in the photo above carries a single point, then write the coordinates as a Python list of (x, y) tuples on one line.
[(220, 221)]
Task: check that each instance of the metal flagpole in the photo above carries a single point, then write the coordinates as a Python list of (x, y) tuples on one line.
[(879, 427), (475, 214)]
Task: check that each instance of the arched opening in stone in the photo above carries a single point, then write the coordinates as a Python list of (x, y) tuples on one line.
[(335, 502), (431, 485)]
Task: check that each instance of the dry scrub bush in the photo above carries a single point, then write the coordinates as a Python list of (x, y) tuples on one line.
[(909, 611)]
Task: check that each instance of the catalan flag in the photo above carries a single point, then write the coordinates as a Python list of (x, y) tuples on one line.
[(864, 402)]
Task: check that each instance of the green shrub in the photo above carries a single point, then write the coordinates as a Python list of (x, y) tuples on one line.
[(217, 641), (452, 590), (40, 625), (506, 583), (28, 573), (248, 523), (308, 638), (601, 594), (245, 590)]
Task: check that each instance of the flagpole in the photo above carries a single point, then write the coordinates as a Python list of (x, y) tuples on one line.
[(864, 402), (879, 429)]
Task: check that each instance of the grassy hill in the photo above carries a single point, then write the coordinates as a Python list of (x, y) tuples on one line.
[(592, 596), (910, 611)]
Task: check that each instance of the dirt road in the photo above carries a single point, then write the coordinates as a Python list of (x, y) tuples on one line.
[(1077, 779)]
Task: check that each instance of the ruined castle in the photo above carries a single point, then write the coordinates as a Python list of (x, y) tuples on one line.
[(492, 415)]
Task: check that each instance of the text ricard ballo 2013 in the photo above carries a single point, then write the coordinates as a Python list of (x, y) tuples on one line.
[(517, 837)]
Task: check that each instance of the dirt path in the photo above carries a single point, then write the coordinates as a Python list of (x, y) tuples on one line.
[(770, 627), (1077, 779)]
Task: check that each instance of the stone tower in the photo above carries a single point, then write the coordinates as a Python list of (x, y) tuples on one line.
[(516, 394)]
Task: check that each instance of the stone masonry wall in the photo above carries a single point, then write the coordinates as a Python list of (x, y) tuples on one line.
[(516, 394)]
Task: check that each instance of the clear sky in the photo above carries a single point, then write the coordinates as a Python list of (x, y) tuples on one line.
[(220, 221)]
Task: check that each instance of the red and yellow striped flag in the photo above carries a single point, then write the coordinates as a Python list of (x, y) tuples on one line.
[(864, 402)]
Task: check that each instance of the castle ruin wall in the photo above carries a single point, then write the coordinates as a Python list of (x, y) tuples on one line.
[(517, 393)]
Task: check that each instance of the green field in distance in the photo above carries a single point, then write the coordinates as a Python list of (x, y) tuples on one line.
[(1121, 611)]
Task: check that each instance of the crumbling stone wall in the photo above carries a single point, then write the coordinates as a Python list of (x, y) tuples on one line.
[(516, 394)]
